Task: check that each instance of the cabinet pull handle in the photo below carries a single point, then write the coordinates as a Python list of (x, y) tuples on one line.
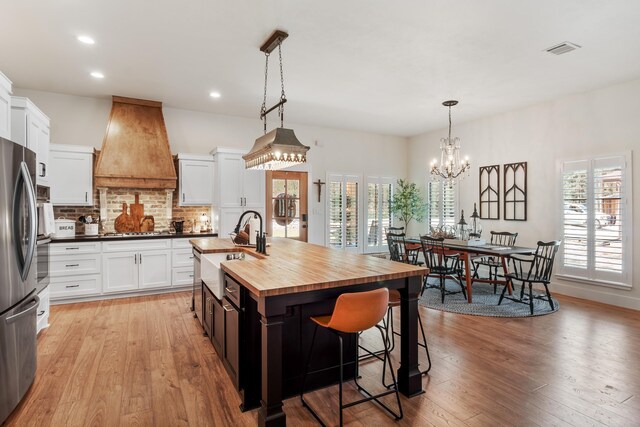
[(191, 275), (229, 290), (72, 265), (183, 197), (135, 258), (228, 307), (86, 196), (72, 286), (68, 249), (40, 313), (191, 257), (140, 258), (44, 170)]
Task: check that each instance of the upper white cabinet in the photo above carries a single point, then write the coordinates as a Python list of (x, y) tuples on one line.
[(238, 187), (195, 180), (71, 175), (30, 127), (5, 107)]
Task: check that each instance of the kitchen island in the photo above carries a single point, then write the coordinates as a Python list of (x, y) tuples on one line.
[(266, 308)]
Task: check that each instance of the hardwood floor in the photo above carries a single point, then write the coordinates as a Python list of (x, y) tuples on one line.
[(143, 361)]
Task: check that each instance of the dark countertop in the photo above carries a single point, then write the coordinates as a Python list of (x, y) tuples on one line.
[(83, 238)]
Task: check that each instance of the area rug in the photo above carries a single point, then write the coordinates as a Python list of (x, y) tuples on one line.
[(485, 302)]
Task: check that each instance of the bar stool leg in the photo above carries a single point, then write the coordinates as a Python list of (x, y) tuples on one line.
[(304, 378)]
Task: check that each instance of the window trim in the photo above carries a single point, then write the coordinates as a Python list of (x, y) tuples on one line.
[(571, 274)]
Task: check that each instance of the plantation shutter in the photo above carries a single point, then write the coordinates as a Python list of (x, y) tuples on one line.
[(343, 211), (379, 216), (442, 204)]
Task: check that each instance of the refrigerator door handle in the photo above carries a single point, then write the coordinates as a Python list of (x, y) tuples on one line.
[(24, 178), (31, 309)]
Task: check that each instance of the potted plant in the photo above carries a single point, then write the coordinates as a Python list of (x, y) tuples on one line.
[(407, 203)]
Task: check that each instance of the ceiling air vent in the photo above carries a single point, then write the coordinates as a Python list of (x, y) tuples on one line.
[(561, 48)]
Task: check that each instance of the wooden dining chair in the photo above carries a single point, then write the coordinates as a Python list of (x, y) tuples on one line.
[(494, 263), (442, 264), (403, 251), (353, 313), (540, 266)]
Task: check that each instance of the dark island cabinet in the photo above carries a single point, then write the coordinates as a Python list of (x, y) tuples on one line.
[(207, 311), (217, 335), (231, 349)]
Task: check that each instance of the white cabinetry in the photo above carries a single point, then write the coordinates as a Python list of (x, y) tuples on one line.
[(71, 175), (236, 190), (30, 127), (75, 270), (182, 262), (5, 107), (133, 265), (196, 180), (43, 309)]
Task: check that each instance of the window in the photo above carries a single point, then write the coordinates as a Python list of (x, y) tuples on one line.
[(379, 216), (343, 211), (596, 220), (441, 198)]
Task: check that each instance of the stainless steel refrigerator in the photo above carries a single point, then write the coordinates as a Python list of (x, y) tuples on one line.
[(18, 298)]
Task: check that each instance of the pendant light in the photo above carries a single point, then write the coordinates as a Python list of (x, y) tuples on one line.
[(451, 166), (278, 148)]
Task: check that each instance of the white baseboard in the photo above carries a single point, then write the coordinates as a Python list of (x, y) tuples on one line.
[(596, 293)]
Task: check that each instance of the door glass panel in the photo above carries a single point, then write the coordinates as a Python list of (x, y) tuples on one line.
[(279, 187), (293, 187)]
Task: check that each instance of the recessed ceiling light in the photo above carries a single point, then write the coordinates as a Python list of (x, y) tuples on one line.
[(97, 75), (86, 40), (215, 94)]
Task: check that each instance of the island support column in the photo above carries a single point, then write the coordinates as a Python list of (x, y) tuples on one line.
[(409, 376), (270, 413)]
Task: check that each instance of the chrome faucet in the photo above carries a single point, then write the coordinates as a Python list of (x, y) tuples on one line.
[(261, 238)]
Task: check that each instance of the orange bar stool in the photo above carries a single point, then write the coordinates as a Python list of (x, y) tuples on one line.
[(352, 314)]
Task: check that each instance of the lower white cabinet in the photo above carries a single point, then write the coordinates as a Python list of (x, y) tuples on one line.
[(43, 309), (128, 271), (86, 269), (65, 287)]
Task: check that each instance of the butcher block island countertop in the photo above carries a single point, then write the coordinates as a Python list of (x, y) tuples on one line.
[(293, 266)]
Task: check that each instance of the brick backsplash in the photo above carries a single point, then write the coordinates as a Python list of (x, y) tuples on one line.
[(154, 201)]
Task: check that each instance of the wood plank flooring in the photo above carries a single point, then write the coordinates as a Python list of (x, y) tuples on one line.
[(144, 362)]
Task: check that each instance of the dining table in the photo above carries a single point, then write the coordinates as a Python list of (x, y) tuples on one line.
[(468, 252)]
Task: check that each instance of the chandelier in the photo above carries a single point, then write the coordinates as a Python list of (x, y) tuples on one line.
[(278, 148), (451, 166)]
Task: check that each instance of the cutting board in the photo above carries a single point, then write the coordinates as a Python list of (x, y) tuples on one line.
[(124, 222), (137, 213)]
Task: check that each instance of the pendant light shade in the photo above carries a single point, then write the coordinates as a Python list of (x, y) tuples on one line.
[(278, 148)]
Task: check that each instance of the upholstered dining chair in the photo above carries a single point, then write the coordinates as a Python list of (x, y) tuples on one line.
[(534, 269), (442, 264), (493, 263)]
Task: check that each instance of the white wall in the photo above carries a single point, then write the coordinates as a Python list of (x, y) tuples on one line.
[(588, 124), (83, 121)]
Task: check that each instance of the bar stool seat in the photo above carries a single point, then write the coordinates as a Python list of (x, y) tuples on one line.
[(352, 314)]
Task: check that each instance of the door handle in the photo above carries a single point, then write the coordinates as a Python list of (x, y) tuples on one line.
[(24, 179), (31, 309)]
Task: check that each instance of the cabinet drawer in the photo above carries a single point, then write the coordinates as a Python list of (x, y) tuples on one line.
[(183, 258), (70, 265), (232, 290), (75, 286), (182, 276), (43, 309), (136, 245), (183, 243), (74, 248)]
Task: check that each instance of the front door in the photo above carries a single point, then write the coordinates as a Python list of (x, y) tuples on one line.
[(287, 204)]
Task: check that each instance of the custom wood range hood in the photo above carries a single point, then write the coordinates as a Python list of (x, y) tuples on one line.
[(135, 152)]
